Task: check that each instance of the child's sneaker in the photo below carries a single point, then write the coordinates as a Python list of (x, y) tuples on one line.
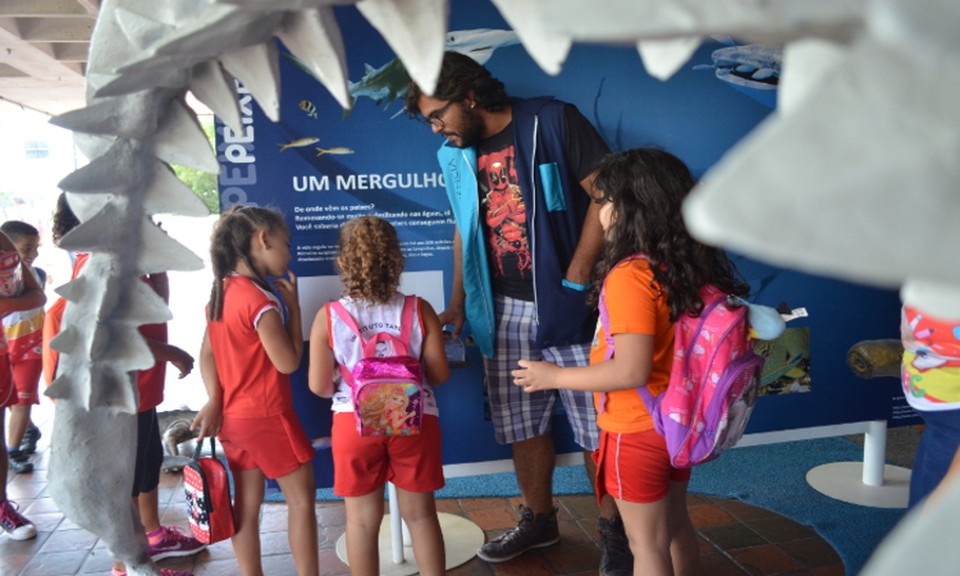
[(163, 572), (29, 443), (172, 542), (15, 525), (19, 462)]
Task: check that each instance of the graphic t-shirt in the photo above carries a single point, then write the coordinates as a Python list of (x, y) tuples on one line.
[(930, 372), (504, 217)]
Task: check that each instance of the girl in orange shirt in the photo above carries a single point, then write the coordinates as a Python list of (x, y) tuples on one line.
[(247, 355), (641, 191)]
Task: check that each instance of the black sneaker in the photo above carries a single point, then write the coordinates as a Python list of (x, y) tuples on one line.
[(615, 556), (19, 462), (29, 443), (532, 532)]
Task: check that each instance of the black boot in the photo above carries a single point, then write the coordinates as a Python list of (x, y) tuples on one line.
[(532, 532), (615, 556)]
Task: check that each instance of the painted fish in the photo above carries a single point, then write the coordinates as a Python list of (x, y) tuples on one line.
[(752, 69), (309, 107), (299, 143), (337, 150)]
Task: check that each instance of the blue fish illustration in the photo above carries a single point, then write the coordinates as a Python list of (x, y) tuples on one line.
[(752, 69)]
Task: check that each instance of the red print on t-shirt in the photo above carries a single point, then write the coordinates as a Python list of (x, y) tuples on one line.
[(505, 211)]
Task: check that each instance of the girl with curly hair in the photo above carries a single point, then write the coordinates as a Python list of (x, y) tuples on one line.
[(370, 262), (641, 194)]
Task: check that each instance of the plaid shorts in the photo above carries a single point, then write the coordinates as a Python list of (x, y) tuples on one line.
[(517, 415)]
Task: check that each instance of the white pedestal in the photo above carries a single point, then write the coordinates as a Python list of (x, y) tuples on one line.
[(461, 538), (867, 483)]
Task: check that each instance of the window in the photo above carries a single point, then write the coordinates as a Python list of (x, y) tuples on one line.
[(36, 149)]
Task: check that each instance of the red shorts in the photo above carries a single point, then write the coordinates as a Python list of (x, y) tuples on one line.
[(364, 464), (635, 467), (26, 378), (8, 392), (277, 445)]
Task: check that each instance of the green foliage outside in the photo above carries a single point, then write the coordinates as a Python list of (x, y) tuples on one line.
[(202, 183)]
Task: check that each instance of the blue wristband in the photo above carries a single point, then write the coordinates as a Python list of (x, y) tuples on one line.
[(575, 286)]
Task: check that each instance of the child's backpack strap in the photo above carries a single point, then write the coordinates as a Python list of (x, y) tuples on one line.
[(401, 343), (605, 322)]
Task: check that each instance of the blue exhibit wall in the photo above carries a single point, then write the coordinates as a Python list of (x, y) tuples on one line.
[(374, 159)]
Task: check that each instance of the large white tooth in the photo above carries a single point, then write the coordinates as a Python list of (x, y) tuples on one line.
[(826, 187), (161, 253), (314, 37), (181, 140), (762, 21), (415, 31), (805, 62), (662, 58), (167, 194), (548, 48), (257, 68), (211, 84)]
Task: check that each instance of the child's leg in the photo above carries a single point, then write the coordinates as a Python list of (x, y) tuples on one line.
[(26, 380), (684, 550), (300, 492), (19, 420), (419, 510), (248, 496), (648, 529), (364, 516)]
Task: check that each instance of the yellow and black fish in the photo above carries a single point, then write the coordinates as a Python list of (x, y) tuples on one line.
[(309, 107)]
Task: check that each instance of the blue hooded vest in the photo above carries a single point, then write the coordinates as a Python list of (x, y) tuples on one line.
[(556, 208)]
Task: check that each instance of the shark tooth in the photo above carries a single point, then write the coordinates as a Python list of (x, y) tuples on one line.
[(548, 48), (211, 84), (414, 29), (662, 58), (258, 69), (102, 175), (163, 253), (314, 37), (167, 194), (181, 140)]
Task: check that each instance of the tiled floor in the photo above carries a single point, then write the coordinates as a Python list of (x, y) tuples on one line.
[(735, 538)]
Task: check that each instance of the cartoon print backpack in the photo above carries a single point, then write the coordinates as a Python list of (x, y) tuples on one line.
[(387, 383), (713, 384), (207, 488)]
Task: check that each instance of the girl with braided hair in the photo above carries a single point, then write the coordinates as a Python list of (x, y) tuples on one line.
[(247, 355)]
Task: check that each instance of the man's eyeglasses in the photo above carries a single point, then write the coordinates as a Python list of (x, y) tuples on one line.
[(435, 120)]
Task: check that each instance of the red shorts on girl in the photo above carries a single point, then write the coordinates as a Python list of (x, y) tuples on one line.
[(635, 467), (364, 464), (26, 377), (277, 445)]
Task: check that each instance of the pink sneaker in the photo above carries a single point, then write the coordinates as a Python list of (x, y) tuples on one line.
[(15, 525), (163, 572), (174, 543)]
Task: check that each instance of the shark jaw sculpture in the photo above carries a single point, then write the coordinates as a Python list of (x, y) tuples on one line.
[(854, 161)]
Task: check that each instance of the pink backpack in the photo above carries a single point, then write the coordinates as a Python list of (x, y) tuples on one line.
[(714, 380), (387, 383)]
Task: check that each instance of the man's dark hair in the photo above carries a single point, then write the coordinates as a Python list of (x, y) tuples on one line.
[(459, 75), (16, 230)]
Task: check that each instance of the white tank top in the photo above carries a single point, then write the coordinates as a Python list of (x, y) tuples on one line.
[(372, 318)]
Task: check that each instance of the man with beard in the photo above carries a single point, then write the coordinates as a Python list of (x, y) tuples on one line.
[(519, 176)]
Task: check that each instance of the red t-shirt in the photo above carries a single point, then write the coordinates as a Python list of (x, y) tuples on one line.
[(252, 386), (636, 306)]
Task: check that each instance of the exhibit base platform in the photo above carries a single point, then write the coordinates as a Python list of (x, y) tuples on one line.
[(461, 537), (844, 481)]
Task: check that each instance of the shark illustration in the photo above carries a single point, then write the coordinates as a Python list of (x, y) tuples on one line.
[(389, 82), (752, 69)]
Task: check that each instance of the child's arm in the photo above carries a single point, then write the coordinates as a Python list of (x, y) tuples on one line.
[(322, 362), (283, 344), (210, 417), (629, 368), (435, 364), (164, 352)]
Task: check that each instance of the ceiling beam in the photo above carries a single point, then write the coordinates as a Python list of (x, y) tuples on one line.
[(46, 8)]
